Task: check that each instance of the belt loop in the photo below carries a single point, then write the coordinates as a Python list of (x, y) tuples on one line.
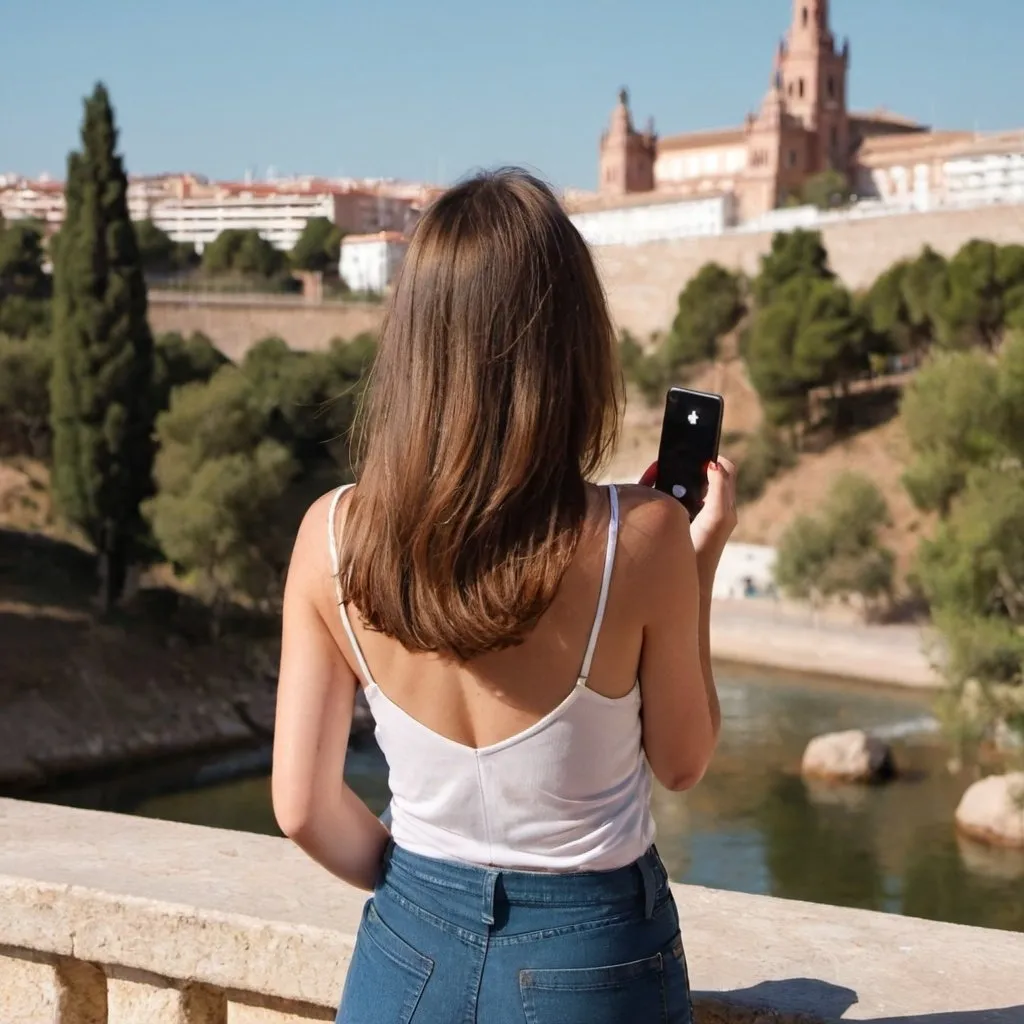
[(490, 883), (650, 884)]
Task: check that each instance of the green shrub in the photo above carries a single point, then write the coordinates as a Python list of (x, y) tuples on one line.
[(711, 305), (25, 368), (220, 480), (837, 552), (242, 454)]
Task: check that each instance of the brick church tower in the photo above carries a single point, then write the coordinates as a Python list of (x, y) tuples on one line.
[(627, 156), (814, 76)]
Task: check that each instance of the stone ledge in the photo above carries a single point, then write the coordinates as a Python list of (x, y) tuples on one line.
[(247, 920)]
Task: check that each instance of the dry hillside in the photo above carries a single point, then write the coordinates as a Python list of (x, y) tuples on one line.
[(641, 427), (80, 692), (879, 453)]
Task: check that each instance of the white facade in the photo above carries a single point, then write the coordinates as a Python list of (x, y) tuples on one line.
[(656, 221), (191, 209), (964, 171), (987, 178), (745, 570), (914, 186), (25, 200), (690, 165), (369, 263), (278, 218), (44, 199), (145, 191)]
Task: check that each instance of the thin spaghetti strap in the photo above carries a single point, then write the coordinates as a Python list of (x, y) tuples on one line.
[(609, 562), (332, 538)]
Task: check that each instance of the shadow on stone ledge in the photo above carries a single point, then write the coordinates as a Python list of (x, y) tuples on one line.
[(812, 1001)]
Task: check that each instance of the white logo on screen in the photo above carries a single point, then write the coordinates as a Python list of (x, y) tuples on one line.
[(678, 491), (693, 417)]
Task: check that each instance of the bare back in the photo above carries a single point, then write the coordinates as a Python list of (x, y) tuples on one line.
[(500, 694)]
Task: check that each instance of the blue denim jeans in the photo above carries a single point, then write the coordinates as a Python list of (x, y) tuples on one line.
[(449, 943)]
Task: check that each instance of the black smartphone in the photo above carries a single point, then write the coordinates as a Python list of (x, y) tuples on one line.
[(690, 435)]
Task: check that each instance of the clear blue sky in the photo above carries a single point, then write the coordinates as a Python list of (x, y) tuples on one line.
[(422, 90)]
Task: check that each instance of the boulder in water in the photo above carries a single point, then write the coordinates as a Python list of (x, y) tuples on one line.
[(852, 756), (992, 810)]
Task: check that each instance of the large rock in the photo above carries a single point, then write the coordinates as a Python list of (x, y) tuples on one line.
[(851, 756), (992, 810)]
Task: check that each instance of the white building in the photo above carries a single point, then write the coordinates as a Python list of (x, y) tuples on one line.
[(932, 170), (988, 172), (369, 263), (652, 217), (145, 191), (278, 218), (191, 209), (279, 212), (44, 200), (745, 570), (33, 200)]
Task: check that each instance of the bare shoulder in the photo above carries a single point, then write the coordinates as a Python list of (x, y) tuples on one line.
[(654, 542), (310, 565), (316, 527), (649, 518)]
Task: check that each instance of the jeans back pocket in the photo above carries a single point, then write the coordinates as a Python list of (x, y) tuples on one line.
[(628, 993), (386, 977)]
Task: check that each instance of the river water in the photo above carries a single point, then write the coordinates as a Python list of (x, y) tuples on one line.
[(754, 825)]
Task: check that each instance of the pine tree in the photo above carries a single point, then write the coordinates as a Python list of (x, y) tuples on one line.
[(102, 386)]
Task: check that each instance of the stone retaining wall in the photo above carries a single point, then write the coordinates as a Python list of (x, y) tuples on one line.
[(109, 919), (234, 323), (644, 281)]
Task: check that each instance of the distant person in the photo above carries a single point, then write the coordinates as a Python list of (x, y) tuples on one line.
[(498, 611)]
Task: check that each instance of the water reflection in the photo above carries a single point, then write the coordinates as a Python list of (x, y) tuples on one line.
[(754, 825), (817, 850)]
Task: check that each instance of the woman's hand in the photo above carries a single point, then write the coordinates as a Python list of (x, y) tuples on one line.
[(714, 523)]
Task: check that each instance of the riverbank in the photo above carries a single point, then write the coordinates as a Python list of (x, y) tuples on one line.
[(772, 634), (83, 697), (191, 700)]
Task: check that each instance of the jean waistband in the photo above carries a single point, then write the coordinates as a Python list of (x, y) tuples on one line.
[(644, 878)]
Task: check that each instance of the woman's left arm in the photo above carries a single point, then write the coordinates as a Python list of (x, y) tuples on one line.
[(315, 699)]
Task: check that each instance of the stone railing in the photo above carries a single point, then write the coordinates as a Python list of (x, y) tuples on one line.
[(106, 919)]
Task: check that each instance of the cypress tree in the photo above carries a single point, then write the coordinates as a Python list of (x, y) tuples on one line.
[(102, 385)]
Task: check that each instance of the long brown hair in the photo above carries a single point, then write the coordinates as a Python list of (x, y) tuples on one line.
[(495, 392)]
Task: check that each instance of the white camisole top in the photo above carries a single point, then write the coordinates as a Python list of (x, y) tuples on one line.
[(570, 793)]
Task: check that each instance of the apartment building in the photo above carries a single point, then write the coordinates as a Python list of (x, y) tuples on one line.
[(192, 209)]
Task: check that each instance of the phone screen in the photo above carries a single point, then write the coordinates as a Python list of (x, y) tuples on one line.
[(690, 435)]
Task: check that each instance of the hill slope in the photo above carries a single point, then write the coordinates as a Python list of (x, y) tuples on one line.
[(880, 453)]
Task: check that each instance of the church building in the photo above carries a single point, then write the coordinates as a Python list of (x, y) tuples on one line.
[(803, 127)]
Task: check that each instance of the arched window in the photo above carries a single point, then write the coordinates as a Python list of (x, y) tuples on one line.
[(801, 88), (804, 17)]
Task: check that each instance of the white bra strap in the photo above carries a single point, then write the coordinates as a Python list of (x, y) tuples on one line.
[(609, 562), (332, 539)]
